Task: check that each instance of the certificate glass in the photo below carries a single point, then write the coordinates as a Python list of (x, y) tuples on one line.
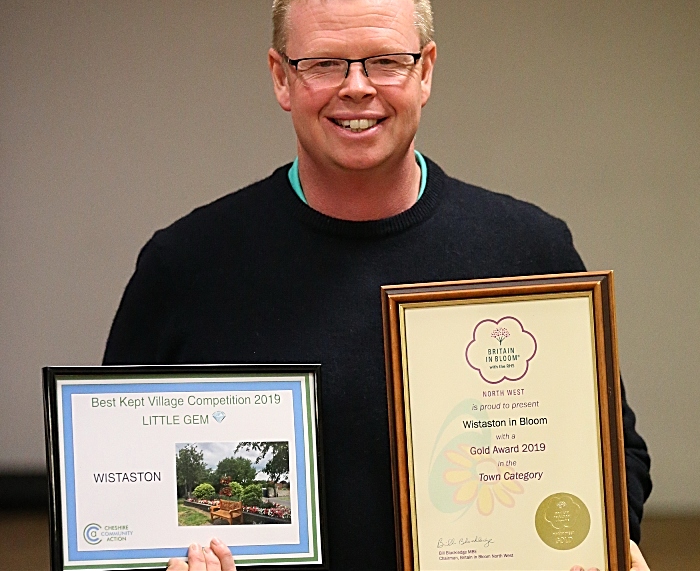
[(144, 461), (506, 424)]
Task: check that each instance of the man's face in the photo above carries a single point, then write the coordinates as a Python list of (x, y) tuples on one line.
[(353, 29)]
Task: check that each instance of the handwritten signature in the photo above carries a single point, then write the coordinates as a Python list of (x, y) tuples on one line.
[(451, 542)]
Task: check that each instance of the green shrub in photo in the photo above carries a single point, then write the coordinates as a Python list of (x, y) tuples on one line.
[(204, 492), (252, 495), (236, 490)]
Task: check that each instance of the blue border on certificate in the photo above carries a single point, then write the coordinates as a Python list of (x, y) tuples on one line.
[(68, 390)]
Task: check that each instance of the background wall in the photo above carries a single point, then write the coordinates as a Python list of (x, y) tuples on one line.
[(116, 118)]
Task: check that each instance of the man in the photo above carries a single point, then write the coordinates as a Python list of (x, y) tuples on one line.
[(289, 269)]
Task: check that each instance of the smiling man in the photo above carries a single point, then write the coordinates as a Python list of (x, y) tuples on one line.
[(355, 121), (289, 269)]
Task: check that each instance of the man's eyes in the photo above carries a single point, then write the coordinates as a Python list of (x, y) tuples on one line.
[(333, 65), (326, 64), (385, 61)]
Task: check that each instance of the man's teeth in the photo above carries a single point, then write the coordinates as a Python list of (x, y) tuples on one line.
[(357, 125)]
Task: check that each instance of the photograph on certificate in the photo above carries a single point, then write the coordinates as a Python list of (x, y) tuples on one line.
[(220, 481)]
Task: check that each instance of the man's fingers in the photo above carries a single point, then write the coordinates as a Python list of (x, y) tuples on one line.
[(216, 558), (213, 563), (195, 558), (224, 555), (176, 565), (638, 562)]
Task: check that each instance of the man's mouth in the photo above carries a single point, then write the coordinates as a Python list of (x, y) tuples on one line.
[(356, 125)]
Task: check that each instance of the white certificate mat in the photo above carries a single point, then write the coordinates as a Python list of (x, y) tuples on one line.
[(514, 422), (147, 460)]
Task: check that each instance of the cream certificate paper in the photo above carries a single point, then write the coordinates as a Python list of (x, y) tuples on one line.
[(503, 429), (134, 451)]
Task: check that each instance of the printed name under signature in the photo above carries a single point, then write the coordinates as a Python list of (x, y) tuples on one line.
[(452, 542)]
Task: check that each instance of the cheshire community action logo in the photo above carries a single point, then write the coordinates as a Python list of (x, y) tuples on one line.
[(501, 349), (91, 533)]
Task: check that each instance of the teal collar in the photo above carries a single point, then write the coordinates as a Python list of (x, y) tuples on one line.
[(293, 176)]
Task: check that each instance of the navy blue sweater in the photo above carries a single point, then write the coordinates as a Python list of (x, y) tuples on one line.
[(259, 277)]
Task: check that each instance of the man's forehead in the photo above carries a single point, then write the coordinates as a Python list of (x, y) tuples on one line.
[(345, 20), (340, 4)]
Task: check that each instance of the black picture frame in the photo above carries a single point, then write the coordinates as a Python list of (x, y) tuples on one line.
[(52, 374)]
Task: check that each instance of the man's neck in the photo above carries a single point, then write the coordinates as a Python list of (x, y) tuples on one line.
[(370, 194)]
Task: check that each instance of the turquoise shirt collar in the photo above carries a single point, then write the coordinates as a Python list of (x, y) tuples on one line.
[(293, 175)]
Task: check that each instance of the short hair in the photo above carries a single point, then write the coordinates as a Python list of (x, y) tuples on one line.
[(422, 20)]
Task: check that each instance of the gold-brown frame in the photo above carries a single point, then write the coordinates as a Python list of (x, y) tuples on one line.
[(599, 285)]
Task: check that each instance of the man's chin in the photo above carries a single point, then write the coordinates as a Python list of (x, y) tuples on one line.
[(362, 164), (367, 158)]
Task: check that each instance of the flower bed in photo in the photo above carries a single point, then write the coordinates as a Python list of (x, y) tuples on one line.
[(277, 513), (199, 504)]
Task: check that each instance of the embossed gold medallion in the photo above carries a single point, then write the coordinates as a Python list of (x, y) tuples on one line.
[(562, 521)]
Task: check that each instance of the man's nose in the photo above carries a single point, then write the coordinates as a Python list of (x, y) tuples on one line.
[(357, 85)]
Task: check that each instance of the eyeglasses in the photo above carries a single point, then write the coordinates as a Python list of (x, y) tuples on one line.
[(387, 69)]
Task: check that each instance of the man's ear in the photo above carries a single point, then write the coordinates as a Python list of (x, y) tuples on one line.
[(426, 80), (280, 82)]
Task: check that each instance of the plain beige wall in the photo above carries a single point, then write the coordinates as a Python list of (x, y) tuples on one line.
[(118, 117)]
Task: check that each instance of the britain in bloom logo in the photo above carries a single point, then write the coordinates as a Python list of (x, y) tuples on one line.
[(501, 350)]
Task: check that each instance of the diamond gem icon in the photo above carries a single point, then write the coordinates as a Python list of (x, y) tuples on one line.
[(219, 415)]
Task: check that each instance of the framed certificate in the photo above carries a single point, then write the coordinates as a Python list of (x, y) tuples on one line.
[(506, 424), (143, 461)]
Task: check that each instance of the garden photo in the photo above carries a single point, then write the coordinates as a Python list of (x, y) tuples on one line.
[(232, 483)]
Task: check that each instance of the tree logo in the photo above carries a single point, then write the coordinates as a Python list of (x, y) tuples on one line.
[(500, 333), (91, 533), (510, 358)]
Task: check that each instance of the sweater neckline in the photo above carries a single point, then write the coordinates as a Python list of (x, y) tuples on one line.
[(293, 176), (419, 212)]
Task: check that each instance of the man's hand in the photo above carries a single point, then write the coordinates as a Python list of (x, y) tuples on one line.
[(638, 562), (216, 557)]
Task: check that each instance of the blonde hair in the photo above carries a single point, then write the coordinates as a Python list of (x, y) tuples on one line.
[(422, 20)]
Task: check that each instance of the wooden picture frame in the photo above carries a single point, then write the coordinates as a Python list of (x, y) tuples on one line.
[(448, 343)]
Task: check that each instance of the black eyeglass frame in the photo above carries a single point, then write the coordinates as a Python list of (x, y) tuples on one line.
[(295, 62)]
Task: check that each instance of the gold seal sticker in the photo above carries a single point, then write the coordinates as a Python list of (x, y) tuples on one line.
[(562, 521)]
